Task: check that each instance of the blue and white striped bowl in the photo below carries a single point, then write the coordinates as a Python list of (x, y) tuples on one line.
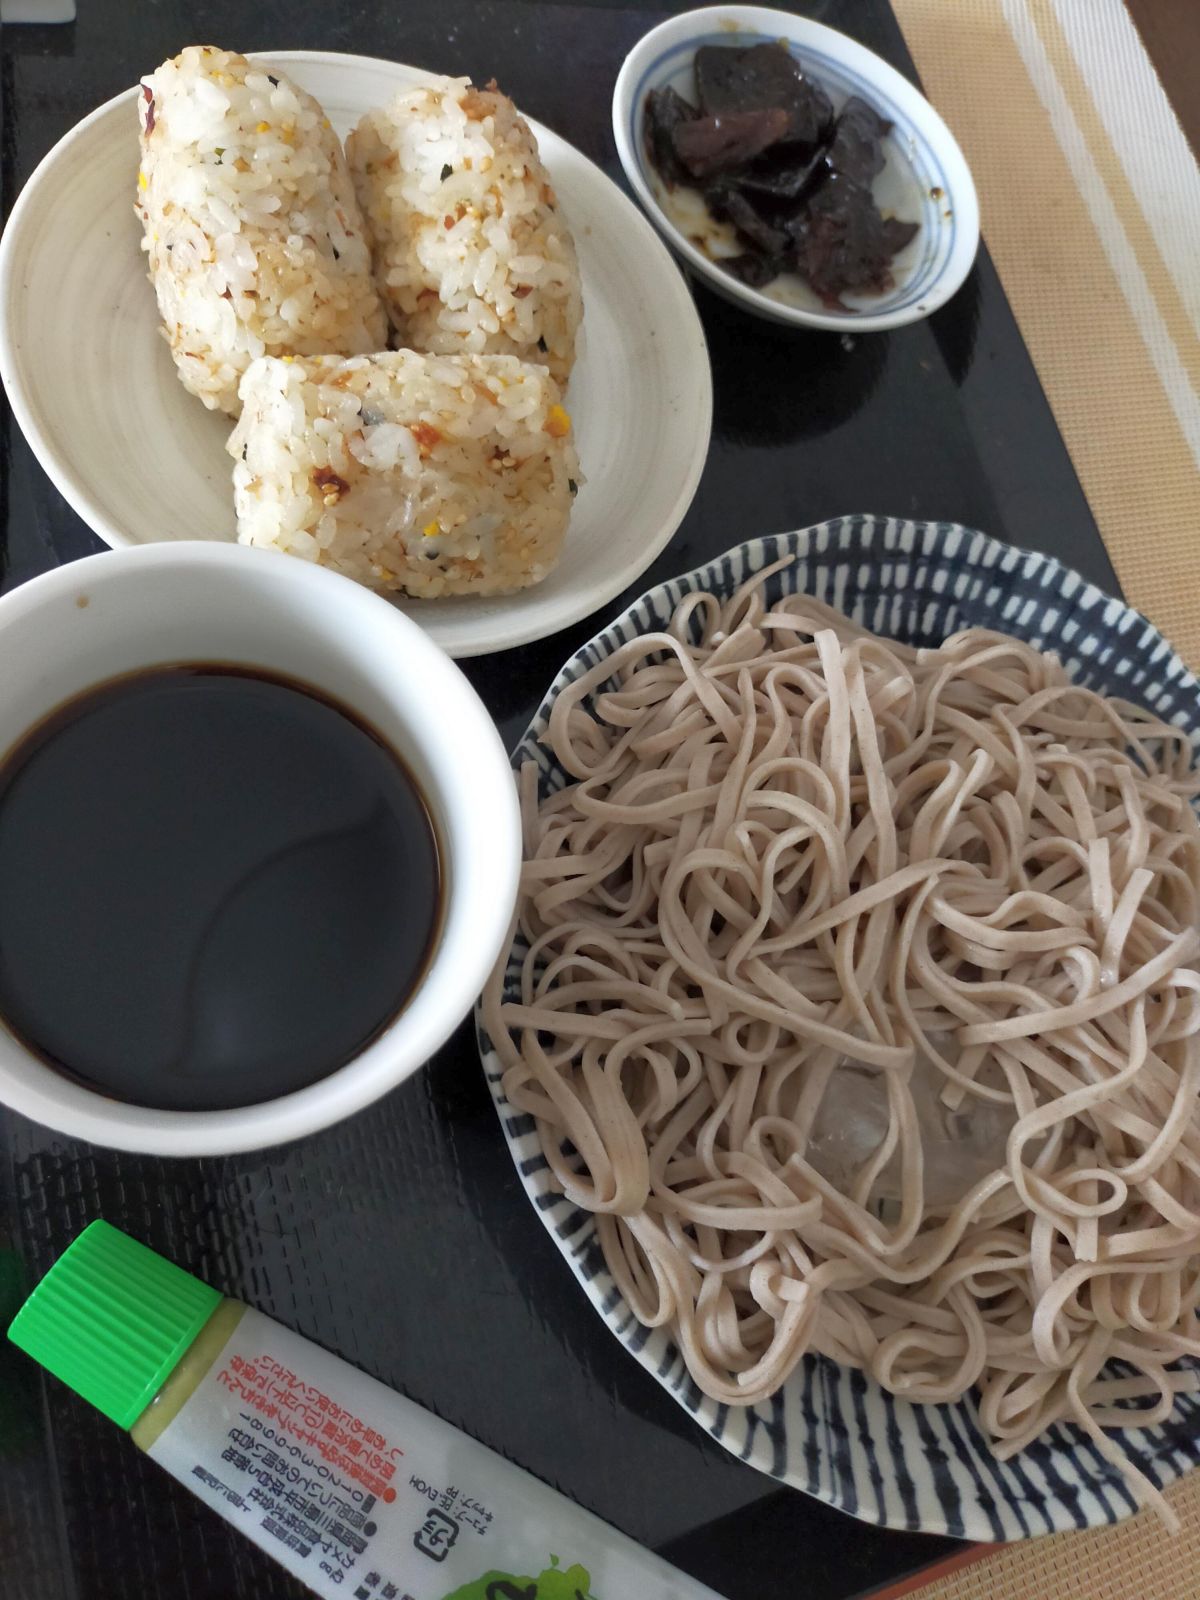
[(833, 1432), (926, 178)]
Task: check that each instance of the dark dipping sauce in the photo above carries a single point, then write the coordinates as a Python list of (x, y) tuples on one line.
[(766, 150), (216, 887)]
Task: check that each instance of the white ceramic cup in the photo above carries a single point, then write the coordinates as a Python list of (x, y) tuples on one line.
[(115, 613)]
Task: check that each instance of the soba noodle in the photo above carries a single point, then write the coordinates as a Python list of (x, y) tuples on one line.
[(814, 911)]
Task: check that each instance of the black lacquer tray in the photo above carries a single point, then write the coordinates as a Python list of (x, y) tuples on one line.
[(401, 1239)]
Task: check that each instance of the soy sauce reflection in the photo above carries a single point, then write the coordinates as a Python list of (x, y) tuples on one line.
[(216, 887)]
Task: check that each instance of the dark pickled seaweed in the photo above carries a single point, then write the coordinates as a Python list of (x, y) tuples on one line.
[(729, 205), (897, 235), (856, 149), (763, 76), (842, 243), (752, 226), (724, 143), (665, 111), (756, 271), (783, 173), (770, 157)]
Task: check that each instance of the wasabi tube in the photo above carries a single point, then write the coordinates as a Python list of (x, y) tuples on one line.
[(355, 1490)]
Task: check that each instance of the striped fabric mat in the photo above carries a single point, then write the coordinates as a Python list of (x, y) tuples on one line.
[(1136, 1560), (1090, 198)]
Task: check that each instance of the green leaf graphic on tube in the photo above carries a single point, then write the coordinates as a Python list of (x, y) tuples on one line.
[(556, 1583)]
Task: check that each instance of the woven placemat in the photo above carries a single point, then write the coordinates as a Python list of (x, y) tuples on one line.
[(1090, 198), (1137, 1560)]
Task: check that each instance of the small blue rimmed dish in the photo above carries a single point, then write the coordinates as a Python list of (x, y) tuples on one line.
[(925, 178)]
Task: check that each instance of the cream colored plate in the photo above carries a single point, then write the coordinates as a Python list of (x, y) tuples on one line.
[(92, 384)]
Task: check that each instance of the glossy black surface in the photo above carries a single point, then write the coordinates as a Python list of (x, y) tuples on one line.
[(401, 1239)]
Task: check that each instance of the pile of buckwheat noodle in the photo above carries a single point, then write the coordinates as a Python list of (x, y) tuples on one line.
[(860, 1006)]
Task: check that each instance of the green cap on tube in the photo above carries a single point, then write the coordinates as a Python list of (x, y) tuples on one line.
[(112, 1319)]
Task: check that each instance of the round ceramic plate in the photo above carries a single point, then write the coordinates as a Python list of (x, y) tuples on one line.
[(93, 386), (831, 1431)]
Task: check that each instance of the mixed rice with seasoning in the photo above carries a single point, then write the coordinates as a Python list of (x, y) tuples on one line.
[(423, 474), (472, 253), (255, 241), (446, 467)]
